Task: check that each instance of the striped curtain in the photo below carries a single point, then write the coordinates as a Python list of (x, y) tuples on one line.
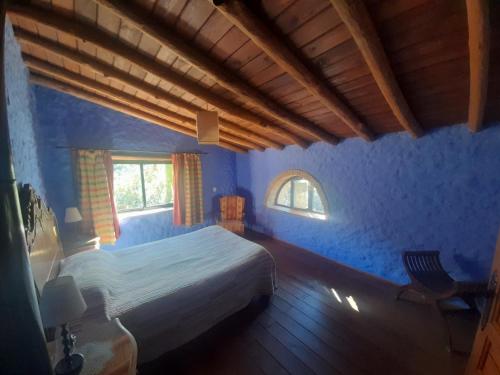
[(96, 194), (188, 190)]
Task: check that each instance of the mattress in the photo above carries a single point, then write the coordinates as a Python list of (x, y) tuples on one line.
[(168, 292)]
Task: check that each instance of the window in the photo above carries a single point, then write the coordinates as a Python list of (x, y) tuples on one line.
[(142, 184), (299, 193)]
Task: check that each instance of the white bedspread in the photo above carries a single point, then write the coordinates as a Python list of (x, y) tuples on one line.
[(168, 292)]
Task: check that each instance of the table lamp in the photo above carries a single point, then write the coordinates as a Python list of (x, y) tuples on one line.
[(60, 303), (71, 217)]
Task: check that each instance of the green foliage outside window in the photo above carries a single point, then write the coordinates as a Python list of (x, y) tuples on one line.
[(142, 185)]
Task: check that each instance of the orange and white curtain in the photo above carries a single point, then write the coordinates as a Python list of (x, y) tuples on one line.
[(188, 189), (95, 178)]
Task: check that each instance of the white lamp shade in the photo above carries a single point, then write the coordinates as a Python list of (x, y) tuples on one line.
[(72, 215), (61, 302)]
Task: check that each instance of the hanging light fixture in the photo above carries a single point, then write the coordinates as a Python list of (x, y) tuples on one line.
[(207, 127)]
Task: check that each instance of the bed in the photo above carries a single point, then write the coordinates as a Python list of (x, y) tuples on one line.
[(168, 292), (165, 292)]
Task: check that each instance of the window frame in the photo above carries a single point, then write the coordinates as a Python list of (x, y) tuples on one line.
[(292, 206), (141, 162), (277, 185)]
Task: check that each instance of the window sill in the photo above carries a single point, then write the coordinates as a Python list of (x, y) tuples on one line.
[(126, 215), (310, 215)]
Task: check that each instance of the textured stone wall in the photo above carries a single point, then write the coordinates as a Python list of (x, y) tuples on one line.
[(441, 191), (69, 122), (20, 111)]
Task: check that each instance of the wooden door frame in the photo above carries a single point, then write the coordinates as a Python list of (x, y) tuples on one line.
[(481, 349)]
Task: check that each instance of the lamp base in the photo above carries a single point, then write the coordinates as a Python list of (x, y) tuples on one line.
[(72, 367)]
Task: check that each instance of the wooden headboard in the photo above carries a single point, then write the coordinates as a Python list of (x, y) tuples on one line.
[(42, 236)]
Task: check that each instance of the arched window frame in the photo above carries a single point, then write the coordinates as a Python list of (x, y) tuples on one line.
[(279, 182)]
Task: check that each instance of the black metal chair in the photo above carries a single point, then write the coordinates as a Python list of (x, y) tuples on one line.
[(430, 280)]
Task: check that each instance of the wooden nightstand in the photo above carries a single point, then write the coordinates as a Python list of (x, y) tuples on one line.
[(108, 348), (78, 243)]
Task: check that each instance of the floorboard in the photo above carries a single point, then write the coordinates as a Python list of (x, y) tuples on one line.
[(309, 327)]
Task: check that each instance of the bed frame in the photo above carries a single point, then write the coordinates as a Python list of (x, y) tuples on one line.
[(42, 236)]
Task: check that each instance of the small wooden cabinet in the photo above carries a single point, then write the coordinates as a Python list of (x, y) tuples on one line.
[(108, 348)]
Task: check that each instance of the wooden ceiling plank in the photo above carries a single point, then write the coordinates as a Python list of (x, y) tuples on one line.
[(169, 10), (301, 36), (262, 35), (117, 85), (82, 94), (229, 80), (66, 39), (337, 54), (431, 51), (42, 3), (47, 32), (256, 65), (70, 65), (355, 16), (246, 53), (108, 21), (314, 28), (413, 28), (64, 6), (21, 22), (148, 5), (296, 96), (195, 74), (310, 102), (130, 90), (329, 40), (276, 7), (100, 39), (141, 95), (86, 10), (129, 34), (298, 14), (229, 44), (212, 31), (479, 49), (194, 15), (100, 79), (390, 8)]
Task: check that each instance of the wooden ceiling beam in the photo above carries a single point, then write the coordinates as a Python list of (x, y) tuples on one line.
[(479, 59), (41, 80), (240, 15), (110, 44), (130, 81), (359, 23), (56, 72), (60, 74), (216, 70)]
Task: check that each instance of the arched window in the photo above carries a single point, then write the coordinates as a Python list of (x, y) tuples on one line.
[(299, 193)]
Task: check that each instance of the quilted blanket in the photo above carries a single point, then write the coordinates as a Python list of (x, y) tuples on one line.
[(168, 292)]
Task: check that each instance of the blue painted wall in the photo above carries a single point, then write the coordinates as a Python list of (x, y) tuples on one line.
[(23, 127), (66, 121), (441, 191)]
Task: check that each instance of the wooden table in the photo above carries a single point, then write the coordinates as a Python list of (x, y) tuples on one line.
[(108, 348)]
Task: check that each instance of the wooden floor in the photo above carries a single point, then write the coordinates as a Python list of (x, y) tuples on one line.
[(309, 327)]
